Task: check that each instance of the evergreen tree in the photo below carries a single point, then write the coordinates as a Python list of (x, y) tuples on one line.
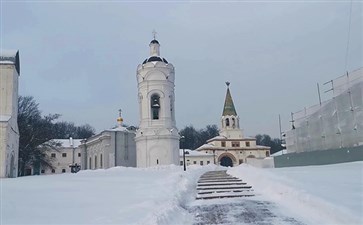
[(266, 140), (196, 138)]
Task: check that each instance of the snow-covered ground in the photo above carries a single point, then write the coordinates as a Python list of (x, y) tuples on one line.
[(113, 196), (331, 194)]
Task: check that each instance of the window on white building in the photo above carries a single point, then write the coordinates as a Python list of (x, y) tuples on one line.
[(235, 143), (208, 162), (64, 155), (181, 163), (95, 161), (79, 154), (101, 161), (201, 163), (53, 170), (247, 144), (53, 155), (223, 144), (42, 171), (90, 163), (155, 106), (63, 170), (195, 162)]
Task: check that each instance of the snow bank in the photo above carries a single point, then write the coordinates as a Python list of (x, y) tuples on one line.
[(114, 196), (329, 194)]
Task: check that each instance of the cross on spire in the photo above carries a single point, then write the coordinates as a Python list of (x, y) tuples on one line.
[(119, 112), (154, 34)]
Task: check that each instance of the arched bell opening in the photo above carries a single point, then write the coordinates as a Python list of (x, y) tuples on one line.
[(155, 106)]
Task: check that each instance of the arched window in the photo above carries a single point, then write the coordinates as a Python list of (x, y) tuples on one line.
[(96, 162), (101, 161), (90, 163), (155, 106), (233, 123), (227, 122)]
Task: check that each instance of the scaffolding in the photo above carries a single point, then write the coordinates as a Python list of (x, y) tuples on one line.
[(333, 124)]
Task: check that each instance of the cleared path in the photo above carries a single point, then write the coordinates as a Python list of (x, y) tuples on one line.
[(223, 199), (219, 184)]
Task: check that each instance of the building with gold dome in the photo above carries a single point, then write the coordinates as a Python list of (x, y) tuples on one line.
[(231, 147), (110, 148)]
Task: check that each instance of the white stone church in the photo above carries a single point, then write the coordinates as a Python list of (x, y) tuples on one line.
[(231, 148), (157, 139), (9, 133)]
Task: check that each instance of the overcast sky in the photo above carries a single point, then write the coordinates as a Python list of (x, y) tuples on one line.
[(79, 58)]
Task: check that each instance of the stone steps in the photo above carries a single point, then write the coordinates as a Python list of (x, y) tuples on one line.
[(219, 184)]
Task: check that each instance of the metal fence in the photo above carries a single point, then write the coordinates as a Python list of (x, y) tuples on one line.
[(335, 123)]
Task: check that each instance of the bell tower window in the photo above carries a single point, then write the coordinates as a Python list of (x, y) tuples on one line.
[(227, 122), (155, 106)]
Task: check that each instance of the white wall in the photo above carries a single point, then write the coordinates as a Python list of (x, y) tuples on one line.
[(261, 163), (9, 134)]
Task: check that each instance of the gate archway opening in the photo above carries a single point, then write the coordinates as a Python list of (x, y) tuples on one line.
[(226, 161)]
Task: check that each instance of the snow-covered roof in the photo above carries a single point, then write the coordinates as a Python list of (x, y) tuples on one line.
[(66, 142), (6, 62), (217, 138), (284, 151), (118, 129), (206, 146), (249, 138), (4, 118), (189, 152), (10, 57), (262, 146)]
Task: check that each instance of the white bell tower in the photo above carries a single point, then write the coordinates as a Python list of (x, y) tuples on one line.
[(157, 139)]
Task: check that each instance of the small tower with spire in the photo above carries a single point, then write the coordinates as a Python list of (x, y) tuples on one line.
[(230, 120)]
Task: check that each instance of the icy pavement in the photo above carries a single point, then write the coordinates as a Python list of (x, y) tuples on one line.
[(239, 211), (219, 184)]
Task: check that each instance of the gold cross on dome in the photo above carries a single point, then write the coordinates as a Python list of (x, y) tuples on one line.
[(154, 34)]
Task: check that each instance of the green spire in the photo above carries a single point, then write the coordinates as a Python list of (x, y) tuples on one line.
[(228, 109)]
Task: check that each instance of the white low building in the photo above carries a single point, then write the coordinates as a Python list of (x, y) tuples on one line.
[(63, 156), (110, 148), (193, 157)]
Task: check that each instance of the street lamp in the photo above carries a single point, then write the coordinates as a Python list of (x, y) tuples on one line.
[(183, 139), (74, 166), (72, 146)]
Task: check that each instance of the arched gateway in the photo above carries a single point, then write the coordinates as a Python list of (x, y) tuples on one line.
[(226, 161)]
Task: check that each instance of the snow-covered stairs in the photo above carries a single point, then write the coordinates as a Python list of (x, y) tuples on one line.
[(219, 184)]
